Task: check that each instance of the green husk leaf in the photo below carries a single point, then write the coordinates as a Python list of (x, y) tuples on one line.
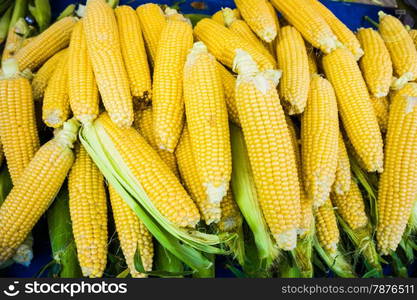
[(195, 18), (4, 24), (166, 262), (41, 11), (287, 269), (19, 11), (244, 193), (113, 3), (5, 5), (237, 245), (303, 255), (400, 270), (68, 11), (210, 272)]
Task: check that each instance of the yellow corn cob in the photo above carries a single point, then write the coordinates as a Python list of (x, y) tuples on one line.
[(342, 32), (413, 34), (355, 107), (259, 17), (88, 209), (312, 60), (168, 103), (210, 212), (376, 64), (132, 233), (401, 47), (207, 121), (56, 106), (157, 180), (152, 21), (218, 16), (319, 134), (27, 41), (41, 78), (133, 51), (381, 108), (351, 207), (326, 227), (18, 130), (309, 22), (35, 189), (144, 124), (278, 185), (55, 38), (342, 181), (242, 29), (222, 43), (231, 217), (229, 84), (15, 38), (398, 184), (82, 88), (274, 15), (103, 43), (293, 61)]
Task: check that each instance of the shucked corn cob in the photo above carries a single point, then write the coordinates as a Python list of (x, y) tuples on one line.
[(219, 16), (326, 227), (88, 208), (355, 107), (398, 183), (103, 44), (207, 121), (342, 181), (229, 85), (381, 108), (263, 123), (231, 218), (35, 189)]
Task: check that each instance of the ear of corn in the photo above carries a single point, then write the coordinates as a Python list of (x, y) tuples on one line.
[(133, 51), (259, 111), (218, 16), (229, 84), (293, 61), (168, 103), (45, 44), (326, 227), (104, 50), (207, 121), (35, 189), (342, 181), (231, 218), (82, 87), (355, 107), (397, 187), (381, 108)]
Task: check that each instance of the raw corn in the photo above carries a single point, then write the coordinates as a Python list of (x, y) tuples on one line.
[(88, 209), (207, 121), (35, 189), (401, 48), (398, 183), (82, 87), (218, 16), (231, 218), (381, 108), (103, 44), (259, 17), (132, 234), (309, 22), (319, 139), (161, 185), (168, 102), (46, 44), (152, 22), (278, 185), (222, 43), (56, 106), (342, 181), (376, 63), (134, 54), (229, 84), (355, 107), (210, 212), (326, 227), (293, 61)]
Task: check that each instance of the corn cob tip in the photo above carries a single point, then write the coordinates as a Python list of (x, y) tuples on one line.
[(215, 193), (21, 27), (24, 253), (10, 69), (80, 10), (197, 49), (411, 103), (399, 83), (228, 16), (381, 15), (244, 65), (67, 135), (330, 43), (287, 240), (273, 75), (170, 11), (268, 34)]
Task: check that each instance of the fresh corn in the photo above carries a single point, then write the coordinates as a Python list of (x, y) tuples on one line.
[(326, 227), (381, 108), (218, 16), (342, 181), (231, 218), (229, 84)]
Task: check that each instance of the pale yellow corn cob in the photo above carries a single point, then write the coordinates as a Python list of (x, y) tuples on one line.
[(293, 61), (309, 22), (401, 48), (218, 16), (42, 76), (278, 185), (210, 212), (222, 43), (208, 121), (342, 181), (326, 227), (312, 60), (376, 63), (160, 184), (168, 102), (103, 43), (259, 17), (398, 184), (46, 44), (144, 124), (88, 209), (272, 46), (231, 218), (56, 106), (82, 87), (152, 21), (132, 234), (355, 107), (133, 51), (319, 138), (229, 84), (381, 108), (34, 191), (15, 38)]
